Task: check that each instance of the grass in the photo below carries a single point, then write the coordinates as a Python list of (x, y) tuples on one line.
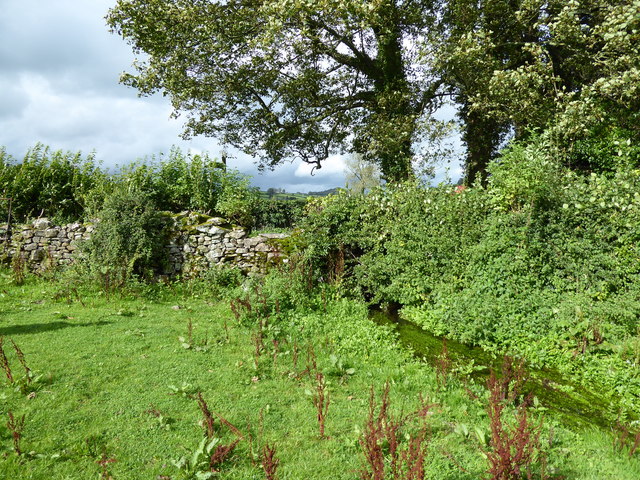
[(115, 393)]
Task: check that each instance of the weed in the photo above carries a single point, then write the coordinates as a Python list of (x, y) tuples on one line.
[(208, 418), (189, 343), (20, 355), (18, 267), (621, 440), (5, 362), (321, 400), (258, 346), (162, 421), (104, 463), (513, 379), (386, 455), (269, 462), (240, 307), (207, 459), (443, 365), (190, 332), (220, 454), (636, 444), (226, 330), (49, 264), (276, 350), (312, 363), (15, 427), (514, 448), (294, 356)]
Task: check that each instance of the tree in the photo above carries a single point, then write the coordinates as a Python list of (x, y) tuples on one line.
[(564, 67), (361, 176), (285, 79)]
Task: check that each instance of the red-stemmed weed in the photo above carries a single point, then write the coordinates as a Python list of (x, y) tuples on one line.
[(321, 400), (269, 462), (514, 446), (391, 449), (5, 362), (15, 426)]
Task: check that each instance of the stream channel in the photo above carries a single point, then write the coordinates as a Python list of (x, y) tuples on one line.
[(575, 404)]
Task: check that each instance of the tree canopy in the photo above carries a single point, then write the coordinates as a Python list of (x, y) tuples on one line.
[(285, 79), (570, 68)]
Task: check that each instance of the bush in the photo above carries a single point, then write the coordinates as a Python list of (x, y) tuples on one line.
[(525, 176), (237, 201), (543, 263), (271, 213), (48, 183), (129, 239), (604, 151), (176, 183), (66, 186)]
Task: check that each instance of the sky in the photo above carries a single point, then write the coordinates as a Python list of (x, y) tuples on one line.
[(59, 85)]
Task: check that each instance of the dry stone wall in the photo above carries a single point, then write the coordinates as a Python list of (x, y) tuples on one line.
[(196, 243)]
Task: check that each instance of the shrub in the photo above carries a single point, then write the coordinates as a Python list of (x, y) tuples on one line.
[(237, 201), (525, 176), (129, 238), (176, 182), (55, 184), (271, 213)]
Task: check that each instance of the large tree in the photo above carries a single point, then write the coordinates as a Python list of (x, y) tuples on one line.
[(284, 79), (567, 67)]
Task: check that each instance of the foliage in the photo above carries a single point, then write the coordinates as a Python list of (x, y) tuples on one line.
[(48, 183), (525, 177), (237, 201), (176, 182), (290, 79), (128, 240), (515, 445), (565, 67), (274, 213), (67, 187), (542, 262)]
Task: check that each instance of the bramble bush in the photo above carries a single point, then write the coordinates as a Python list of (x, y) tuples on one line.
[(66, 186)]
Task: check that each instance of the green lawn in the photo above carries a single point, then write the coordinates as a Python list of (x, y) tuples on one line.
[(117, 383)]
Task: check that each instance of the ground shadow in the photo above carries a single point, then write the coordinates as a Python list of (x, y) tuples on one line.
[(45, 327)]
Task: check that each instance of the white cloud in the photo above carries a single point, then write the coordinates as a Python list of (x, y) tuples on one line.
[(330, 167), (59, 86)]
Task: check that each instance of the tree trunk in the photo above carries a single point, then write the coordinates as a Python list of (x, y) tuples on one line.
[(393, 99)]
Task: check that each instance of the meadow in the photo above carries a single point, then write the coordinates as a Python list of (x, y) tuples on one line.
[(119, 386)]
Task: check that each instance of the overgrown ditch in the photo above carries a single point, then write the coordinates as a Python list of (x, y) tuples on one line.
[(577, 405)]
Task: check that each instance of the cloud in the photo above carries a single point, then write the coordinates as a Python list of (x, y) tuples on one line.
[(59, 86)]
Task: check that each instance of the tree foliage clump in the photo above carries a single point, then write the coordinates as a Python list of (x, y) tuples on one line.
[(286, 80), (570, 68)]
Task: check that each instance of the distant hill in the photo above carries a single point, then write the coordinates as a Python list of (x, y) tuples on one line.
[(297, 196), (324, 193)]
